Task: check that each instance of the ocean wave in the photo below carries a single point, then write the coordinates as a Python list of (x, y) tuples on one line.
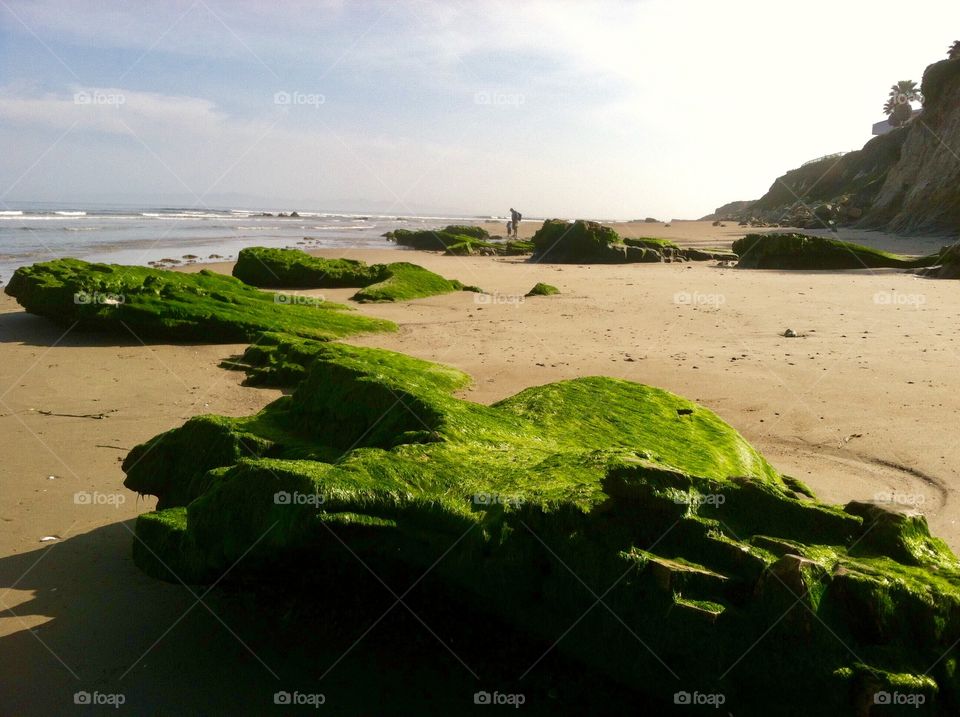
[(71, 214), (11, 213)]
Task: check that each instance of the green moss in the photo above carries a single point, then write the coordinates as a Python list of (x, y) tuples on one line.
[(404, 281), (801, 251), (289, 268), (651, 243), (715, 559), (166, 305), (292, 268), (561, 241), (540, 289)]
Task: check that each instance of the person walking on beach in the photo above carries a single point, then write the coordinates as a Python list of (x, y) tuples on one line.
[(515, 218)]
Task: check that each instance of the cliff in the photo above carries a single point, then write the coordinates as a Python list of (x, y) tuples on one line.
[(922, 190), (906, 181)]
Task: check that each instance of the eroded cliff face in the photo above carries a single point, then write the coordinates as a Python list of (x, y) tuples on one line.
[(906, 181), (921, 192)]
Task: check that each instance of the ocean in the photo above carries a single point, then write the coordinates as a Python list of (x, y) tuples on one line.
[(138, 235)]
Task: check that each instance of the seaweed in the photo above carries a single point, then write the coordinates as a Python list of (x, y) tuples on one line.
[(593, 485)]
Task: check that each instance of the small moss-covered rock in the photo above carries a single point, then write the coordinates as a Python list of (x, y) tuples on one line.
[(577, 242), (289, 268), (168, 305), (801, 251), (404, 281), (459, 240), (541, 289)]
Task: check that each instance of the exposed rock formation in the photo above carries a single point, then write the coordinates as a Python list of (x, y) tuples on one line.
[(907, 180), (292, 268), (459, 240), (717, 573), (585, 242), (174, 306), (922, 191), (800, 251)]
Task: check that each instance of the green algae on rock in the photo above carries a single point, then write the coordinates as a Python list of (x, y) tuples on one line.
[(541, 289), (168, 305), (292, 268), (728, 576), (802, 251), (459, 240), (585, 242)]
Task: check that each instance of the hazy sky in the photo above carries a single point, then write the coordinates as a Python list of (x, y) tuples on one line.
[(608, 110)]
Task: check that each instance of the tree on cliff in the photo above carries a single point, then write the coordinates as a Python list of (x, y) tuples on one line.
[(898, 107), (954, 52)]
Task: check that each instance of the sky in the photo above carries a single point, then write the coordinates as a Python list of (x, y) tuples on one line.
[(613, 110)]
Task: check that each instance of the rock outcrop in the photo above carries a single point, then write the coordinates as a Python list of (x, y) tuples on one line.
[(586, 242), (801, 251), (906, 181), (922, 190), (155, 304), (292, 268), (717, 574), (458, 240)]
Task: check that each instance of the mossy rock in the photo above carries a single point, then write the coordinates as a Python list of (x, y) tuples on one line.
[(459, 240), (292, 268), (155, 304), (577, 242), (540, 289), (801, 251), (721, 569), (439, 239)]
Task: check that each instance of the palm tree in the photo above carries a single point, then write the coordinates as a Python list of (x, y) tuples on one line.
[(954, 52), (897, 107)]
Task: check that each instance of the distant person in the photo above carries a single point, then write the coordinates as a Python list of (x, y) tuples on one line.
[(509, 229), (515, 218)]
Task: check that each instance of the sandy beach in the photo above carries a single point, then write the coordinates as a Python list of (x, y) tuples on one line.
[(860, 403)]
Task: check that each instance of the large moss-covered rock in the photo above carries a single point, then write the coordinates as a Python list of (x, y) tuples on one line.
[(169, 305), (801, 251), (716, 573), (292, 268), (585, 242)]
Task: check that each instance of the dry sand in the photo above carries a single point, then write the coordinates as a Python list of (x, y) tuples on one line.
[(863, 402)]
